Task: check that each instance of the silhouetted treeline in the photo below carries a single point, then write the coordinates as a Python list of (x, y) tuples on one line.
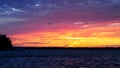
[(5, 42)]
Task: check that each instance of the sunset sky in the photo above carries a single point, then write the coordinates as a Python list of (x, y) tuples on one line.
[(61, 23)]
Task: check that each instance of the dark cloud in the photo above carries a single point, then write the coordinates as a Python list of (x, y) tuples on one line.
[(33, 43), (21, 12), (83, 9)]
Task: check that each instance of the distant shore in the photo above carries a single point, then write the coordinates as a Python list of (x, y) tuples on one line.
[(66, 47), (63, 48)]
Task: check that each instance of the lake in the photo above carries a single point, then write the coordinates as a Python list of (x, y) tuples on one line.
[(60, 58)]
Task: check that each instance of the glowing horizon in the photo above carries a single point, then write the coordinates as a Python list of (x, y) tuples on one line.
[(99, 36)]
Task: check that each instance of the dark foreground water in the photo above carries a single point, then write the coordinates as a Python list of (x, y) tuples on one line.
[(60, 58)]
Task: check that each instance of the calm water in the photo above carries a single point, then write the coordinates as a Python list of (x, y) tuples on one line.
[(60, 58)]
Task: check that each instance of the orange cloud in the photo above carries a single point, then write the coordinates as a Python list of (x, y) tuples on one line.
[(99, 36)]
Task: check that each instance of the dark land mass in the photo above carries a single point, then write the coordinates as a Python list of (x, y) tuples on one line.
[(68, 48), (62, 48)]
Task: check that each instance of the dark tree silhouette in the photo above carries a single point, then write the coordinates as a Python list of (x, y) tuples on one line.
[(5, 42)]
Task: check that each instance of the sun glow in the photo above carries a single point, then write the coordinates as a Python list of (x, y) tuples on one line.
[(99, 36), (67, 39)]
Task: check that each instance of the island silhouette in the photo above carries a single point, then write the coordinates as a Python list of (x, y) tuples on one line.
[(5, 42)]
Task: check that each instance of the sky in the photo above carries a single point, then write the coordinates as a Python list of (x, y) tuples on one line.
[(61, 23)]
